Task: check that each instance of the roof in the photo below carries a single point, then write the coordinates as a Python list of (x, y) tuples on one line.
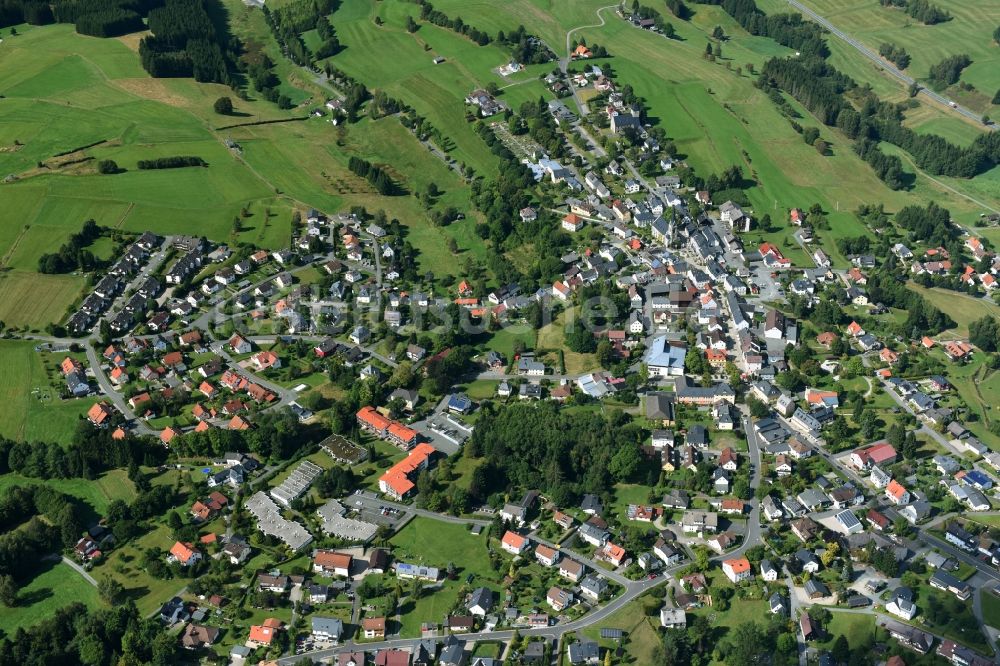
[(514, 540), (895, 489), (738, 565)]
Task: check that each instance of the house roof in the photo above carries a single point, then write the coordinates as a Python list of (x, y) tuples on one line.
[(738, 564), (514, 540)]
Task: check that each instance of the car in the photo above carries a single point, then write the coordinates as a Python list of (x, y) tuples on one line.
[(651, 576)]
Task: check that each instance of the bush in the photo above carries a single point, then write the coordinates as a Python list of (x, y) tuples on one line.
[(223, 106), (108, 167)]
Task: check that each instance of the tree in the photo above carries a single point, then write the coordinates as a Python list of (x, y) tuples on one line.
[(110, 590), (758, 408), (108, 167), (223, 106), (748, 645), (8, 591)]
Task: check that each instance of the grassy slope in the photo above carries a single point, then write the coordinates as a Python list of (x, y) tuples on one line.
[(57, 586)]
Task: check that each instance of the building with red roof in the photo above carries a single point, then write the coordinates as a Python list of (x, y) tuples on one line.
[(400, 480)]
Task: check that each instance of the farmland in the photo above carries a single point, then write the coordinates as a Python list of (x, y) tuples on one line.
[(96, 494)]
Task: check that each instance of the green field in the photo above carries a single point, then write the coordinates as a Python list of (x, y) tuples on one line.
[(58, 585), (859, 628), (97, 494), (436, 543), (33, 410), (991, 609)]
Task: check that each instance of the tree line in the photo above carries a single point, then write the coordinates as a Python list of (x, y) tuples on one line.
[(439, 18), (73, 255), (922, 10), (822, 89), (28, 537), (91, 452), (895, 54), (374, 174), (175, 162)]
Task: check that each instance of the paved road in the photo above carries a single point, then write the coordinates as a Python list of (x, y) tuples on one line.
[(882, 64), (111, 393), (77, 568), (564, 62), (285, 396), (375, 504)]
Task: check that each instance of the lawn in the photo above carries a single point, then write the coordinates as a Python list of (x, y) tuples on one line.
[(962, 308), (32, 408), (858, 628), (551, 337), (991, 609), (641, 632), (56, 586), (436, 543)]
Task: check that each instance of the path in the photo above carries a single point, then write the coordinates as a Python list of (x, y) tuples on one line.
[(882, 64), (564, 62), (80, 570)]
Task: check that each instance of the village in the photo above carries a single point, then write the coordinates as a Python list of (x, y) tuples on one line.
[(770, 419)]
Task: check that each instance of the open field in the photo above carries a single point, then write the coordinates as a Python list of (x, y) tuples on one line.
[(641, 632), (97, 494), (964, 309), (431, 542), (56, 586), (33, 410)]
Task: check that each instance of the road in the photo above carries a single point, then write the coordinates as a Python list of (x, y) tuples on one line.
[(111, 393), (77, 568), (885, 66), (564, 62)]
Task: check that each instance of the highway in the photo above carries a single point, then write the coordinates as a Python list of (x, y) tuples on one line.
[(885, 66)]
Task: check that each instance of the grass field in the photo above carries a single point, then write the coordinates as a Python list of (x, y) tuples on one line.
[(97, 493), (968, 32), (962, 308), (56, 586), (436, 543), (553, 336), (857, 627), (641, 631), (32, 408)]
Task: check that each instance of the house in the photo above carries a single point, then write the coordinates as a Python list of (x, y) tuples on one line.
[(571, 569), (810, 563), (184, 554), (593, 587), (949, 583), (767, 571), (558, 598), (545, 555), (583, 652), (373, 627), (881, 454), (198, 636), (877, 520), (699, 522), (329, 562), (806, 529), (849, 522), (901, 605), (481, 601), (816, 589), (262, 635), (778, 604), (896, 493), (326, 629), (572, 222), (239, 345), (514, 543), (806, 628), (737, 569), (673, 618), (957, 536)]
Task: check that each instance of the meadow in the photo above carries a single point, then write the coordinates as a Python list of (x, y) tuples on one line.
[(32, 408), (56, 586)]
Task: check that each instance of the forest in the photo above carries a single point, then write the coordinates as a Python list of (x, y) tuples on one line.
[(188, 42), (565, 454), (897, 55), (116, 636)]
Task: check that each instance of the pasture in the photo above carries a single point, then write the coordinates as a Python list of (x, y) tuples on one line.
[(96, 494)]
